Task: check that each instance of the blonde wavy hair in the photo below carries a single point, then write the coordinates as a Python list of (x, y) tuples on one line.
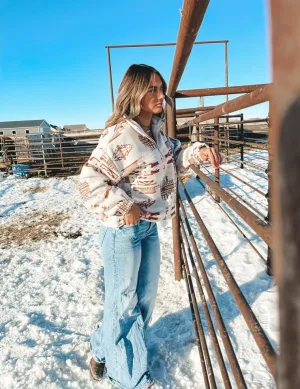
[(133, 88)]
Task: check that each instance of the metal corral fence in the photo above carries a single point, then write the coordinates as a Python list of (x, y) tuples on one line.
[(48, 154), (234, 142), (60, 153), (57, 154), (280, 176)]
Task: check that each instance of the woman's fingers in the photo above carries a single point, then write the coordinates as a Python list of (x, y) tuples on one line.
[(131, 222), (130, 219), (214, 157), (134, 215)]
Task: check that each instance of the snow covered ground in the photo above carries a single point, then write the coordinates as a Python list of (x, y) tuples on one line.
[(51, 288)]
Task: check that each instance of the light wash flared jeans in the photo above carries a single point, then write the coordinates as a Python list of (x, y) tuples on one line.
[(131, 258)]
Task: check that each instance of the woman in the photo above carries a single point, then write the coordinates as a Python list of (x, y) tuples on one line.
[(130, 182)]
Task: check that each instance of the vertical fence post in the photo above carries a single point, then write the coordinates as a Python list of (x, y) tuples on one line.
[(269, 199), (227, 135), (171, 130), (226, 66), (43, 154), (200, 134), (242, 138), (5, 154), (194, 136), (285, 119), (110, 80), (217, 148), (60, 147)]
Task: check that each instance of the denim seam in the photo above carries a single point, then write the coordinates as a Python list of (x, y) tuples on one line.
[(116, 279), (103, 236), (148, 229)]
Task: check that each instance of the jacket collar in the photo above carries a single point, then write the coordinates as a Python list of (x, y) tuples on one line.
[(156, 123)]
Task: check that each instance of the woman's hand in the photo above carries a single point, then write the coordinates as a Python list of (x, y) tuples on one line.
[(210, 154), (134, 215)]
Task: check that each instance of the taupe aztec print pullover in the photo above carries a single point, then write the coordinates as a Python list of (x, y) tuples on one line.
[(130, 167)]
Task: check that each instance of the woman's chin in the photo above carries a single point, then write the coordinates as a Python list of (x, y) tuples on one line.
[(157, 110)]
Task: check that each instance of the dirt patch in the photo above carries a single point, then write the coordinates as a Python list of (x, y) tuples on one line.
[(69, 235), (33, 228), (38, 189)]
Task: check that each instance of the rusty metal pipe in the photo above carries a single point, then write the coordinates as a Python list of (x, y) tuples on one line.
[(261, 169), (163, 44), (258, 96), (171, 130), (234, 142), (244, 182), (198, 328), (257, 173), (236, 370), (233, 222), (257, 157), (218, 91), (258, 333), (284, 137), (110, 80), (192, 14), (244, 201), (240, 197), (217, 149), (187, 115), (198, 319), (226, 66), (261, 228), (236, 123), (203, 302), (193, 110)]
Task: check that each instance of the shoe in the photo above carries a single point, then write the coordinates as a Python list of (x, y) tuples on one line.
[(97, 370), (150, 384)]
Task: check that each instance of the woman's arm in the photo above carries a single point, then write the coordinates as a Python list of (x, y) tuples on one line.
[(193, 155)]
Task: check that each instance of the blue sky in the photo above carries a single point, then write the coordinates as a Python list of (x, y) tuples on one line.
[(53, 61)]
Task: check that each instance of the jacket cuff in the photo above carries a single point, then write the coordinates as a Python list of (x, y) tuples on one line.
[(125, 206)]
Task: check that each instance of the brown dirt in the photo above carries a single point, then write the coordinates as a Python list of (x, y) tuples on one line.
[(38, 189), (32, 228)]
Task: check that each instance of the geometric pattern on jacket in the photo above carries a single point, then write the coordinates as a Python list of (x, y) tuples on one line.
[(128, 166)]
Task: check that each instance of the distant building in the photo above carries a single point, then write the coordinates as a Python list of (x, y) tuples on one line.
[(24, 127), (75, 127)]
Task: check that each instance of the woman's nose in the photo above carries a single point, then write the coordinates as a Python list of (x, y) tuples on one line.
[(160, 94)]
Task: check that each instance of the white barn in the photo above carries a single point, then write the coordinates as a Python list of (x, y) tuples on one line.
[(24, 127)]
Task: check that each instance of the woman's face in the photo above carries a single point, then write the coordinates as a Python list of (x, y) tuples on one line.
[(152, 102)]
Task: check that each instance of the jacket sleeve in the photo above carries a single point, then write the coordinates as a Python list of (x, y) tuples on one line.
[(185, 157), (98, 187)]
